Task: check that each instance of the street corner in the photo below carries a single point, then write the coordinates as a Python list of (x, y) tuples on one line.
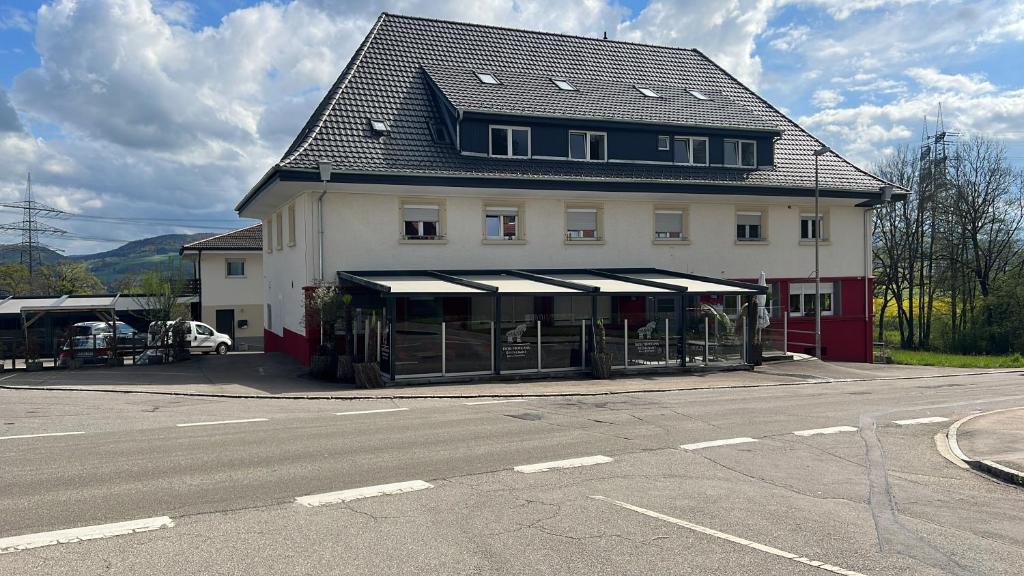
[(992, 443)]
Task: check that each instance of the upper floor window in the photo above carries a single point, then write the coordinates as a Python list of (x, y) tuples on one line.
[(510, 141), (801, 298), (668, 225), (268, 235), (421, 221), (235, 268), (810, 227), (691, 150), (501, 223), (664, 142), (581, 224), (278, 231), (749, 226), (291, 224), (487, 78), (740, 153), (588, 145), (647, 92), (563, 84)]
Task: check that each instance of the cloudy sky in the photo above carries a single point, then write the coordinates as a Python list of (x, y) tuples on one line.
[(144, 117)]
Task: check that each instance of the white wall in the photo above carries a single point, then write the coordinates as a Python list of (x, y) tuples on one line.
[(243, 295), (288, 269)]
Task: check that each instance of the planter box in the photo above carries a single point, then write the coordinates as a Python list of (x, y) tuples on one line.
[(34, 366)]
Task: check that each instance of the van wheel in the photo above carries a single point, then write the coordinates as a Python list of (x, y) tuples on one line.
[(222, 348)]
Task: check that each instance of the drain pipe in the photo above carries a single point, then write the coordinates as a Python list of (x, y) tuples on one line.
[(325, 177)]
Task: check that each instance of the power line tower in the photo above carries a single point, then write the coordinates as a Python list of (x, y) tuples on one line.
[(31, 229)]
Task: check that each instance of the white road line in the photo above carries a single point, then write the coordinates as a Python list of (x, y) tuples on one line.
[(711, 443), (370, 411), (832, 430), (358, 493), (928, 420), (16, 543), (41, 435), (492, 402), (222, 422), (731, 538), (571, 463)]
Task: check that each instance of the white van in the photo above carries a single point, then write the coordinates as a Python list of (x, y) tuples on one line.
[(201, 338)]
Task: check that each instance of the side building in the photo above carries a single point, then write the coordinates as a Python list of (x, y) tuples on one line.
[(451, 161), (228, 280)]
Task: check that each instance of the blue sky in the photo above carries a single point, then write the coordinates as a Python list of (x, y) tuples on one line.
[(117, 106)]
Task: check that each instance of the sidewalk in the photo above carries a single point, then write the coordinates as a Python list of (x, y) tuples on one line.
[(992, 442), (258, 375)]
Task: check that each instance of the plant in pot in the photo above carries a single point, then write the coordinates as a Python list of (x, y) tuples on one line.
[(601, 358), (322, 310)]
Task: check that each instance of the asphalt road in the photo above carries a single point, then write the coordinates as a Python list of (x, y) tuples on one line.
[(872, 497)]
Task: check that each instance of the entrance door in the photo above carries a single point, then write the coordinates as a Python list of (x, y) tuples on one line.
[(226, 323)]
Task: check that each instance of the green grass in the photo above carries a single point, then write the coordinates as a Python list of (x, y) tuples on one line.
[(921, 358)]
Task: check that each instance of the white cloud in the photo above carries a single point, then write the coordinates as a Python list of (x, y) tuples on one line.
[(843, 9), (788, 37), (9, 121), (963, 83), (14, 19), (826, 98)]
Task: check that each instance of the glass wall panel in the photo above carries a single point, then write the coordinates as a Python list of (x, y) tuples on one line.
[(385, 343), (468, 340), (723, 316), (609, 309), (653, 341), (417, 345), (562, 319), (518, 335)]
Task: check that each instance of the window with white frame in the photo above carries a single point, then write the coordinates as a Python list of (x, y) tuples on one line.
[(810, 226), (741, 153), (585, 145), (235, 268), (421, 221), (501, 223), (690, 150), (801, 298), (268, 235), (749, 226), (510, 141), (664, 142), (291, 224), (581, 224), (668, 224), (278, 231)]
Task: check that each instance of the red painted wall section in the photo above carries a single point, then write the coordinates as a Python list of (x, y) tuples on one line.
[(846, 336), (291, 343)]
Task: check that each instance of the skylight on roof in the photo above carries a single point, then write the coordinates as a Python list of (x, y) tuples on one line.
[(380, 126), (698, 95), (563, 84), (647, 92), (487, 78)]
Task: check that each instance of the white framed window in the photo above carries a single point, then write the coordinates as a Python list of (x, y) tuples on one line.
[(741, 153), (669, 224), (510, 142), (291, 224), (502, 223), (749, 226), (563, 84), (235, 268), (664, 142), (584, 145), (698, 95), (691, 150), (421, 222), (582, 223), (801, 298), (811, 227), (487, 78), (278, 231), (268, 235), (650, 93)]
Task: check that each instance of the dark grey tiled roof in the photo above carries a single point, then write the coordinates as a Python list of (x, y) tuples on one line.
[(602, 98), (248, 238), (385, 79)]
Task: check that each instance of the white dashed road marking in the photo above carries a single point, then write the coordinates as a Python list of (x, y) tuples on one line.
[(711, 443), (359, 493), (370, 411), (16, 543), (41, 435), (928, 420), (222, 422), (831, 430), (492, 402), (571, 463), (731, 538)]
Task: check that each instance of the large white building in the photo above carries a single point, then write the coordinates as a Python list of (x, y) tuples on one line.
[(459, 157)]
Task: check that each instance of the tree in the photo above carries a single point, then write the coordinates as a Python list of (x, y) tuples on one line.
[(158, 292), (68, 277), (14, 280)]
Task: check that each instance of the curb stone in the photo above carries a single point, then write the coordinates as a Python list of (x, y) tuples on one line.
[(986, 466)]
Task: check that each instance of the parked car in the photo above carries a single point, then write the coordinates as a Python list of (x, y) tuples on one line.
[(201, 338), (92, 342)]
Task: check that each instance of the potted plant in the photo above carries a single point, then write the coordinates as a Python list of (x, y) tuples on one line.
[(601, 358), (322, 310)]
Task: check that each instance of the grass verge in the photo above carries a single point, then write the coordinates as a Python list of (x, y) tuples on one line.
[(922, 358)]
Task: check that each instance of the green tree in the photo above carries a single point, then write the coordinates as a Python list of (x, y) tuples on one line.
[(68, 278), (14, 280), (157, 293)]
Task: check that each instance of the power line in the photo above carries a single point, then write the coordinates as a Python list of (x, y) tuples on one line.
[(30, 248)]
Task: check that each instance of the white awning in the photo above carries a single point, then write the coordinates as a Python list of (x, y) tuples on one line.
[(421, 285), (608, 284), (508, 284), (692, 285)]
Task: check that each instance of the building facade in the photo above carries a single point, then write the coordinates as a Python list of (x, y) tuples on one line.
[(562, 153), (228, 272)]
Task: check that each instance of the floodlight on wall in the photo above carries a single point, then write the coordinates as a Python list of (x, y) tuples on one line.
[(325, 170)]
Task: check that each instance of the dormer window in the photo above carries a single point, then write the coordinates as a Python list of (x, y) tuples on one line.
[(510, 141), (380, 126), (563, 84), (439, 133), (487, 78), (698, 95), (742, 153), (647, 92), (690, 150), (591, 146)]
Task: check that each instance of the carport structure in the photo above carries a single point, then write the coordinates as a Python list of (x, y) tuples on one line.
[(443, 324), (33, 310)]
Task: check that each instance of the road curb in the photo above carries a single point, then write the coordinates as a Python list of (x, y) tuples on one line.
[(523, 394), (985, 466)]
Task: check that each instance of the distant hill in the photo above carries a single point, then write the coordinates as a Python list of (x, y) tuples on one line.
[(130, 259)]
